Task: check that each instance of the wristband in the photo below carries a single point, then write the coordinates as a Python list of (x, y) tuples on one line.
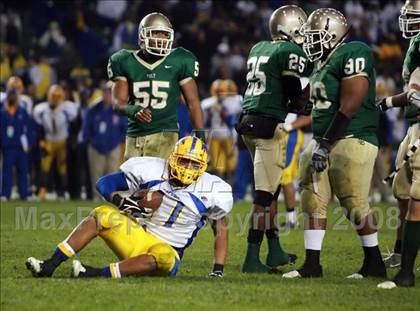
[(218, 267), (117, 200), (388, 102)]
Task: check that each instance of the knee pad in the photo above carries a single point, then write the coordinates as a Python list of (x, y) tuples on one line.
[(263, 198), (165, 258), (106, 216)]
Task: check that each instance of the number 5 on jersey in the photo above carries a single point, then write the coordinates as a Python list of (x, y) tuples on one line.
[(142, 95)]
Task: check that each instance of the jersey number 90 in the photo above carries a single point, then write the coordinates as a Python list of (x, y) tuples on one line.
[(141, 91)]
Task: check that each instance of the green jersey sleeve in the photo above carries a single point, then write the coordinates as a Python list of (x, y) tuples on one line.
[(356, 61), (292, 60), (115, 67), (190, 67)]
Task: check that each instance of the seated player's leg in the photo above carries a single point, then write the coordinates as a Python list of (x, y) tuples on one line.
[(268, 156), (148, 255), (76, 241), (411, 231), (315, 196), (141, 253), (352, 161)]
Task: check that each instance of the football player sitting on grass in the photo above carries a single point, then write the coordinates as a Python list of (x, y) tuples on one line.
[(172, 198)]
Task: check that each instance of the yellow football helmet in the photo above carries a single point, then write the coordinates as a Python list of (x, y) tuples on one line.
[(188, 160)]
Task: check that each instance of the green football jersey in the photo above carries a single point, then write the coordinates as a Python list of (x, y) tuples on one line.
[(411, 62), (348, 60), (154, 86), (267, 62)]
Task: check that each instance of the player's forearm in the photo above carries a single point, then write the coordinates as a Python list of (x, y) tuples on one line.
[(221, 241), (120, 96), (301, 122), (399, 100)]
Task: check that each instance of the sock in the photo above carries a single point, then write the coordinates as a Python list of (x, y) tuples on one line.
[(397, 246), (112, 271), (313, 239), (410, 245), (312, 257), (63, 252), (255, 236), (291, 216), (369, 240)]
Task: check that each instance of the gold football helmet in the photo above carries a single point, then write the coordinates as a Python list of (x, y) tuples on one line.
[(150, 40), (409, 19), (324, 30), (285, 23), (188, 160)]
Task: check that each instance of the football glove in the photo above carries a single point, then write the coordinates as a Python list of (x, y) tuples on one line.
[(130, 207), (413, 98), (320, 157), (380, 103)]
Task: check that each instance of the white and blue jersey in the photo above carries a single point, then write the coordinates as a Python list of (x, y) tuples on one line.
[(183, 211)]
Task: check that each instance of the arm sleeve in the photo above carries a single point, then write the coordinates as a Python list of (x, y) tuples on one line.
[(108, 184), (358, 61), (114, 68), (190, 68)]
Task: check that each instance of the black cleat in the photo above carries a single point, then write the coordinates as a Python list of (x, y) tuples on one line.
[(38, 268)]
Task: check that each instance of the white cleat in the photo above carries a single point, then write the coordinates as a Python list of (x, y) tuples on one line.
[(387, 285), (292, 275), (77, 268), (355, 276)]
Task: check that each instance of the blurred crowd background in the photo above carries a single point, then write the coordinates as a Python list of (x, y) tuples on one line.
[(69, 43)]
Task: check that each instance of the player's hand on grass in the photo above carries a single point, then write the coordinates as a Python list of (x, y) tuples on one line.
[(144, 115), (320, 157)]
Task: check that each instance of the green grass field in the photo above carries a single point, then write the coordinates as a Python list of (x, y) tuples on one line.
[(191, 289)]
